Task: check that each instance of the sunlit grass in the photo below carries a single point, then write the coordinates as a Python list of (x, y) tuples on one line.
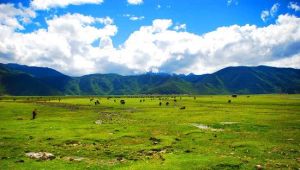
[(259, 129)]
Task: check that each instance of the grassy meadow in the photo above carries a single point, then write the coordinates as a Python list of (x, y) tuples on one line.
[(209, 133)]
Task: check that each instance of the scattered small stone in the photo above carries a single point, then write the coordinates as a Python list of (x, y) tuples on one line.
[(155, 141), (258, 167), (73, 143), (163, 151), (76, 159), (98, 122), (40, 155), (121, 159)]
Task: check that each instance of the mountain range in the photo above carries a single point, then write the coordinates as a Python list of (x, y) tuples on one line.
[(24, 80)]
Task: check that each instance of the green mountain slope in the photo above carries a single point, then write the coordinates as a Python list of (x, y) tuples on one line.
[(24, 84), (252, 80), (24, 80)]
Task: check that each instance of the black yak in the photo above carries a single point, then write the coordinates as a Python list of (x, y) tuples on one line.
[(122, 101)]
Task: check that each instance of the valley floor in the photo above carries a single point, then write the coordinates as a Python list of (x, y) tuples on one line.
[(209, 133)]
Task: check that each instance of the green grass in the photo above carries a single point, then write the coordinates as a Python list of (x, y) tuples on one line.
[(148, 136)]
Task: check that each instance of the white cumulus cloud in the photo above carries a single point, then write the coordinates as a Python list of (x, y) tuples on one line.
[(9, 15), (66, 44), (274, 9), (266, 14), (180, 27), (294, 6), (47, 4), (77, 44), (135, 2), (133, 17), (230, 2), (167, 50)]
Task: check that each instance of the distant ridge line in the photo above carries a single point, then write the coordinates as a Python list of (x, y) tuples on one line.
[(18, 79)]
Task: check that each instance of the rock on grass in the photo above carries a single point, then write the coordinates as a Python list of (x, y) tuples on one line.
[(40, 155), (259, 167)]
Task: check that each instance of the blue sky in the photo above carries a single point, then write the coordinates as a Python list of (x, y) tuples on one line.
[(196, 18), (200, 16)]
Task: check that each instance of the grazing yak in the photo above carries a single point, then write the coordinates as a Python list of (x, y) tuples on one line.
[(97, 102), (122, 101)]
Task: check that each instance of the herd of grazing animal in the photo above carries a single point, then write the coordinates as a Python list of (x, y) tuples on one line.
[(122, 101), (167, 103), (161, 99)]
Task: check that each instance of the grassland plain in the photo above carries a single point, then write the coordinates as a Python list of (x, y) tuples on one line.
[(209, 133)]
